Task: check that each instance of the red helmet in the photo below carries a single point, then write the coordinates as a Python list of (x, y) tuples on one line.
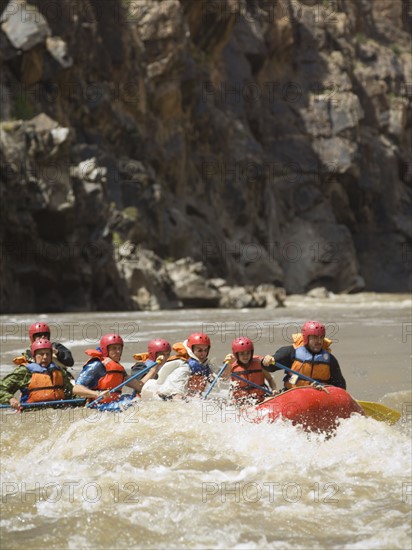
[(312, 328), (156, 345), (198, 339), (109, 339), (37, 328), (242, 344), (41, 344)]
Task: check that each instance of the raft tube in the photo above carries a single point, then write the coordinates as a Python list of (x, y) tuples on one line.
[(314, 409)]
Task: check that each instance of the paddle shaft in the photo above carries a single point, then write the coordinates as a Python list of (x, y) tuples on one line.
[(44, 403), (251, 383), (219, 374), (303, 376), (140, 373)]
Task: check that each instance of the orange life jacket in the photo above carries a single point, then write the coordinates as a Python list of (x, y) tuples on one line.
[(46, 386), (20, 360), (179, 348), (141, 357), (95, 353), (181, 352), (316, 366), (115, 375), (25, 358), (254, 373)]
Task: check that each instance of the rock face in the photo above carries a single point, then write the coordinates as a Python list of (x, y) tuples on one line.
[(166, 153)]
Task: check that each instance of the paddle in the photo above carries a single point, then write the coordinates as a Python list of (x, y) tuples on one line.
[(303, 376), (158, 360), (380, 412), (376, 411), (44, 403), (219, 374), (269, 392)]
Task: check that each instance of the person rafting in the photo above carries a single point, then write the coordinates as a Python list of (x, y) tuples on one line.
[(309, 355), (158, 352), (38, 380), (103, 372), (248, 366), (186, 373), (62, 356)]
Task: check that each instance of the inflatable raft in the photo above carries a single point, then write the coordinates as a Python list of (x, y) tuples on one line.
[(314, 409)]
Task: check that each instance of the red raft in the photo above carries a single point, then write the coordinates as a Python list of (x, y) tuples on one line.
[(314, 409)]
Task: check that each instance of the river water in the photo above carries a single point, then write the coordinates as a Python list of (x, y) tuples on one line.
[(193, 475)]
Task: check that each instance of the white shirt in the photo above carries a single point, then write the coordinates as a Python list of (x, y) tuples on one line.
[(173, 379)]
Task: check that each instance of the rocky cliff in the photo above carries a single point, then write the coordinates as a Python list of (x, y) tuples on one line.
[(159, 153)]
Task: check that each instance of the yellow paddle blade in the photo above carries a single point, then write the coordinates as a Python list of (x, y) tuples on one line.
[(380, 412)]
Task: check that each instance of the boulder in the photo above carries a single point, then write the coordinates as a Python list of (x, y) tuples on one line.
[(239, 297), (191, 285), (24, 25), (318, 292), (147, 278)]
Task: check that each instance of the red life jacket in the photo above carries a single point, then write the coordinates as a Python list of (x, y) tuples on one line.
[(115, 375), (46, 386), (254, 373)]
